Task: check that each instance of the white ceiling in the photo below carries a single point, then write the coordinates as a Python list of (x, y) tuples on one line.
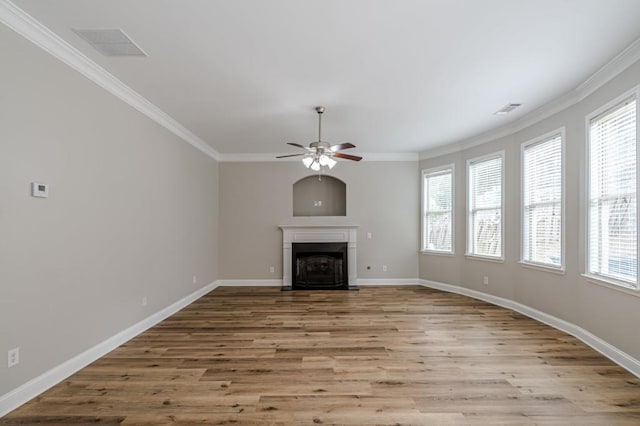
[(395, 76)]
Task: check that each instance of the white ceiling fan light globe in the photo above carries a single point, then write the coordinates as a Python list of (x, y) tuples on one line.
[(307, 161), (323, 160), (315, 166), (331, 162)]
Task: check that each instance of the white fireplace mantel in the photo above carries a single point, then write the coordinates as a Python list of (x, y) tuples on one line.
[(319, 234)]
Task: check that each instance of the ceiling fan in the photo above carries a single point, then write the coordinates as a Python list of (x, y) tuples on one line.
[(320, 154)]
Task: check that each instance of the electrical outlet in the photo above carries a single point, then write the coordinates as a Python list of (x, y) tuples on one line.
[(272, 269), (144, 301), (369, 235), (384, 268), (195, 279), (13, 357), (485, 280)]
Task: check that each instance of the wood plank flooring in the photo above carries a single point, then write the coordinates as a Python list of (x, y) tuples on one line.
[(383, 355)]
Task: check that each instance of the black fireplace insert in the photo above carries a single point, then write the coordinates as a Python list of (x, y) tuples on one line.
[(319, 266)]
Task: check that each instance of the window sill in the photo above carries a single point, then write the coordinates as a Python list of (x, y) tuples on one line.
[(437, 253), (614, 285), (484, 258), (544, 268)]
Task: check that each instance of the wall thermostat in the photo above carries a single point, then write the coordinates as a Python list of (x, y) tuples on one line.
[(39, 189)]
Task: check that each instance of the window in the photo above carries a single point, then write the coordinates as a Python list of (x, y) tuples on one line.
[(437, 205), (484, 237), (612, 224), (542, 211)]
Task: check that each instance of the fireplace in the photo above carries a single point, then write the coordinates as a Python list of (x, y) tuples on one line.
[(320, 248), (319, 266)]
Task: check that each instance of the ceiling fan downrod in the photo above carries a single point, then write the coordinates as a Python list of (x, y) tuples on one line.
[(319, 110)]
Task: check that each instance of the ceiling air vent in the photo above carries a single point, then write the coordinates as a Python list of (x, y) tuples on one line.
[(507, 109), (111, 42)]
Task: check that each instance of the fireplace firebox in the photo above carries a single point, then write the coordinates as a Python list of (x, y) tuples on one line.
[(319, 266)]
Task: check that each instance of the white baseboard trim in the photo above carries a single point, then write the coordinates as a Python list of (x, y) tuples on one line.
[(614, 354), (34, 387), (388, 281), (278, 283), (250, 283)]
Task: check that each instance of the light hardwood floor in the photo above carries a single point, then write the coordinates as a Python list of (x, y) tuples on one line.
[(383, 355)]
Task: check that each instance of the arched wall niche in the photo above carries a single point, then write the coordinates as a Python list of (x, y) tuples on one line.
[(326, 196)]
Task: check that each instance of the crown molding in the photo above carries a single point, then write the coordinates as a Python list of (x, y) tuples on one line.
[(259, 158), (613, 68), (28, 27), (619, 63), (391, 156), (31, 29), (545, 111), (255, 158)]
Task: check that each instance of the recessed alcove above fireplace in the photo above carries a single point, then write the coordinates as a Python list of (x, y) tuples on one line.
[(323, 248), (319, 196)]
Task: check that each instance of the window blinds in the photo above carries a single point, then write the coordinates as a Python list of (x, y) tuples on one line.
[(485, 207), (542, 197), (612, 194), (438, 213)]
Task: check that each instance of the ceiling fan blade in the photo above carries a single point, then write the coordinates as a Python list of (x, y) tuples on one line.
[(342, 146), (297, 144), (347, 156), (290, 155)]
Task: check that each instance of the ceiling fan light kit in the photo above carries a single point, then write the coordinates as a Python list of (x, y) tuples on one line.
[(327, 161), (320, 154)]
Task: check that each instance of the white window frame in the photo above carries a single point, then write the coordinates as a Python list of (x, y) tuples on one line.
[(470, 162), (592, 277), (542, 139), (432, 171)]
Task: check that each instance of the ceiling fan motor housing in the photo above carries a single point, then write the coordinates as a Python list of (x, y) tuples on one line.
[(320, 146)]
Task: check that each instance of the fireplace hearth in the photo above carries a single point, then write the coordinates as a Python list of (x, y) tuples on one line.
[(319, 266)]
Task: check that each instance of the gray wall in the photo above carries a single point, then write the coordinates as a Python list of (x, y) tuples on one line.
[(608, 313), (255, 198), (132, 212)]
